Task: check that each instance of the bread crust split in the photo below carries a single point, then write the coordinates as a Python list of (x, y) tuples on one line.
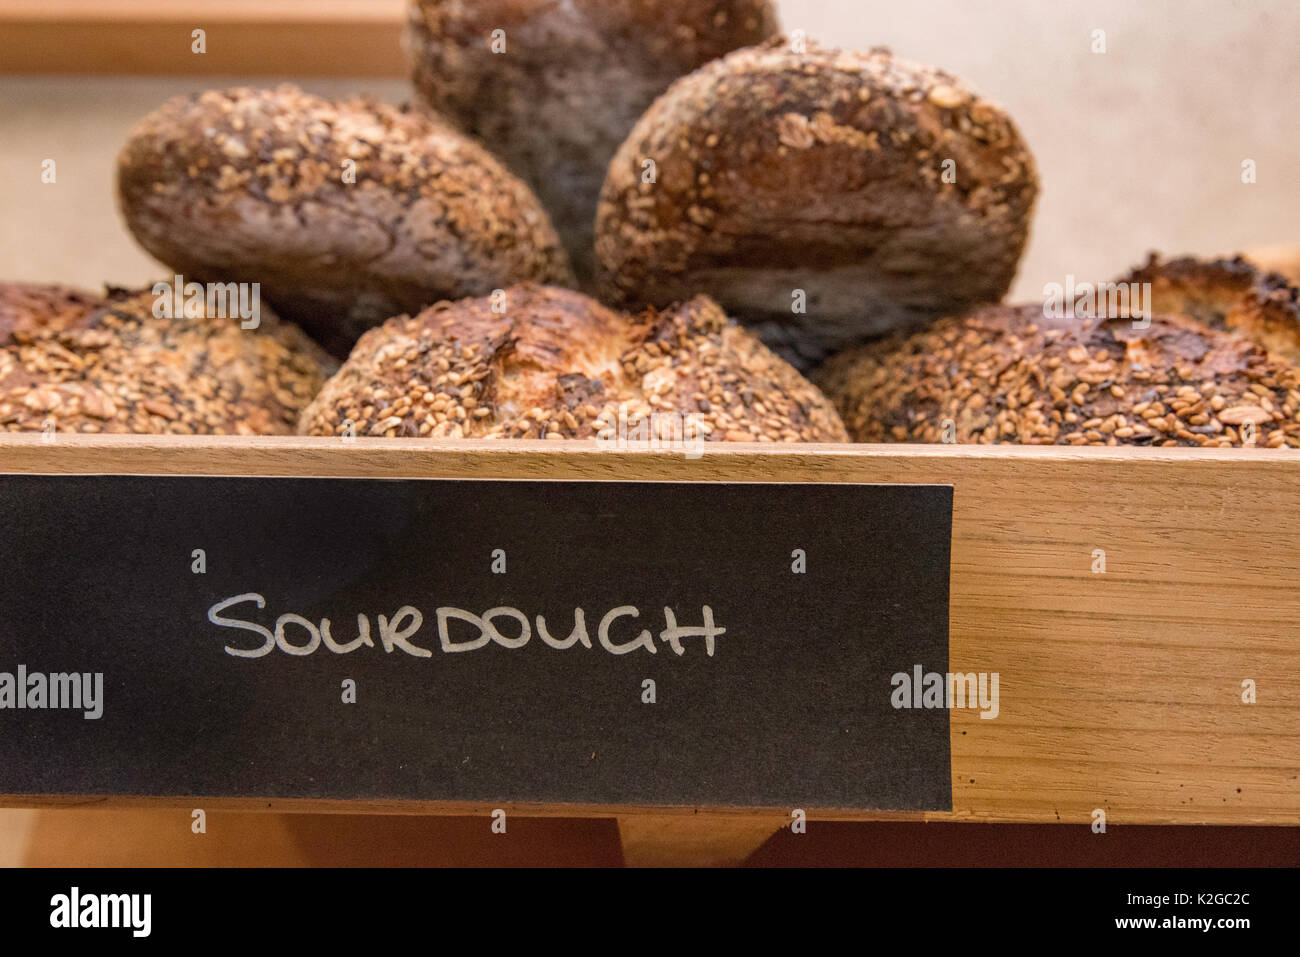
[(345, 212), (1231, 294), (72, 361), (542, 362)]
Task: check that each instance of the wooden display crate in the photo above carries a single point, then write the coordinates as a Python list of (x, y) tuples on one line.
[(1121, 691)]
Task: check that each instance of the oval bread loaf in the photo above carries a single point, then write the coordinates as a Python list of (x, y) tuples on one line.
[(553, 88), (823, 196), (550, 363), (73, 362), (346, 213), (1007, 374)]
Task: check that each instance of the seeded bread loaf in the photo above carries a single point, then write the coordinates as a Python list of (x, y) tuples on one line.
[(1007, 374), (80, 363), (29, 307), (1230, 294), (346, 213), (553, 88), (882, 193), (551, 363)]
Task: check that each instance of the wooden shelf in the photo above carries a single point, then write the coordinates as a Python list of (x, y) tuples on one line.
[(1121, 690), (244, 37)]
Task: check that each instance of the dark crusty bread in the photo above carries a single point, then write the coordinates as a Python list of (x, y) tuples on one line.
[(108, 364), (573, 80), (249, 186), (558, 365), (1007, 374), (1231, 294), (821, 171)]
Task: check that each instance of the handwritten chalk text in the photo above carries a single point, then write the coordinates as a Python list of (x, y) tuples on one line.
[(458, 631)]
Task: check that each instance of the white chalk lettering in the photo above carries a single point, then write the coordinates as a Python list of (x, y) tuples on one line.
[(642, 640), (579, 633), (505, 627), (393, 633), (673, 635)]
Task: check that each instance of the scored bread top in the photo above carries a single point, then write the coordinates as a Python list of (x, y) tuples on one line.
[(551, 363), (1007, 374), (82, 364), (1231, 294)]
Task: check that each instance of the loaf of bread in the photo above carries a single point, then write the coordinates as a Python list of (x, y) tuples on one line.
[(821, 196), (346, 213), (553, 88), (1007, 374), (74, 362), (1231, 294), (542, 362)]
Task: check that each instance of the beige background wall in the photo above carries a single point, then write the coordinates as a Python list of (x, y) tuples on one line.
[(1139, 148)]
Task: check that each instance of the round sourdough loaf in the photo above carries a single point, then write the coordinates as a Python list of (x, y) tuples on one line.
[(823, 196), (1230, 294), (73, 362), (553, 88), (1007, 374), (346, 213), (539, 362)]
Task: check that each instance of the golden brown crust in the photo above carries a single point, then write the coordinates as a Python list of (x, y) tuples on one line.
[(1007, 374), (253, 186), (558, 365), (1231, 294), (573, 80), (27, 305), (821, 171), (117, 367)]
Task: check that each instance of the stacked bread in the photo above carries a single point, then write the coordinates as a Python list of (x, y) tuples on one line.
[(743, 207)]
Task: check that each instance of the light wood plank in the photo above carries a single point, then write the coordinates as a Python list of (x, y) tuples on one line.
[(15, 833), (243, 37), (1118, 691), (692, 840)]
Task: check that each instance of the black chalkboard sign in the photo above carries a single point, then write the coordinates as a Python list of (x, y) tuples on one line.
[(734, 646)]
